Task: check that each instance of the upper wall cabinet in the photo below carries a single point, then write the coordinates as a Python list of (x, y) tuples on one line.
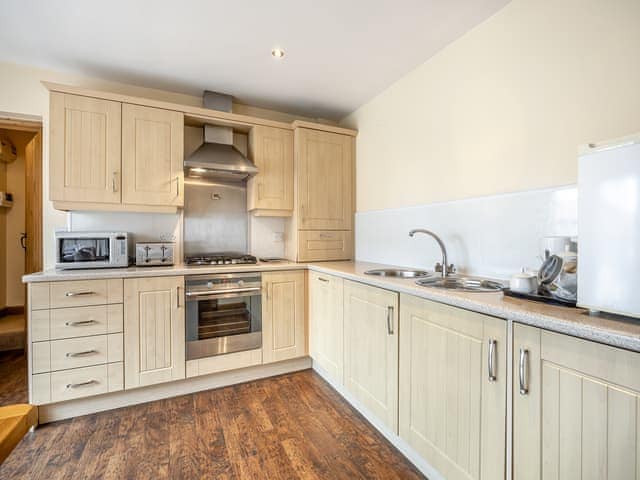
[(152, 156), (325, 180), (85, 149), (108, 155), (270, 192)]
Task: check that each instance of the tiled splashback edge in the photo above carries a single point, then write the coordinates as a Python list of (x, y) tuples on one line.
[(492, 236)]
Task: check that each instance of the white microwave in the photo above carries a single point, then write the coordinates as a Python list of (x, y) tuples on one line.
[(92, 250)]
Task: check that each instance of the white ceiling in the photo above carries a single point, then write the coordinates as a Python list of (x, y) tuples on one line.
[(339, 53)]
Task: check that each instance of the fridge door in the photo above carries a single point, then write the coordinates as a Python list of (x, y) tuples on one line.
[(609, 229)]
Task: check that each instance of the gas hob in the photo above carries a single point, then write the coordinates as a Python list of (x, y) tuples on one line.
[(224, 258)]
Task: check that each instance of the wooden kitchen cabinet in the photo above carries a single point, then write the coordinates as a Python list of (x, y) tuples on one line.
[(371, 350), (85, 149), (326, 324), (154, 330), (451, 412), (575, 408), (270, 192), (325, 180), (152, 156), (283, 316)]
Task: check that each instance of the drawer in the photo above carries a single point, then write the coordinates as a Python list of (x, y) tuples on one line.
[(76, 322), (76, 352), (77, 383), (325, 245), (84, 292)]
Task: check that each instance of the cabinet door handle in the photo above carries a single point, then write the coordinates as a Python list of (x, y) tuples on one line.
[(390, 319), (323, 280), (492, 360), (79, 294), (524, 371), (80, 323), (114, 186), (81, 384), (178, 186), (178, 297), (81, 354)]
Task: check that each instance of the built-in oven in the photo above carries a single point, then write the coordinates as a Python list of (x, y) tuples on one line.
[(223, 313)]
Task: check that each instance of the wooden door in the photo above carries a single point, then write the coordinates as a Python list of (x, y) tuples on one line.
[(325, 180), (271, 191), (154, 330), (577, 416), (33, 205), (283, 316), (152, 156), (326, 325), (451, 413), (371, 349), (85, 149)]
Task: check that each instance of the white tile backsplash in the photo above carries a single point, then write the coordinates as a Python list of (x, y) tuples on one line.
[(143, 226), (266, 236), (492, 236)]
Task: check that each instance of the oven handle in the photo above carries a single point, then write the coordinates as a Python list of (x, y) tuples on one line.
[(222, 292)]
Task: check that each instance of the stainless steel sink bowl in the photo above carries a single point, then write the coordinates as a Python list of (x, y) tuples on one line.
[(465, 284), (399, 273)]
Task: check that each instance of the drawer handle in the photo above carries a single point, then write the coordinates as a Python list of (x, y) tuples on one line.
[(81, 354), (323, 279), (80, 323), (81, 384), (79, 294), (326, 235)]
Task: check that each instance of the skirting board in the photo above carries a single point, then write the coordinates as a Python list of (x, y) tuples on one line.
[(100, 403), (404, 448)]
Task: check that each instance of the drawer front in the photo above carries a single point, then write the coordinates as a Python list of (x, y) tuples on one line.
[(86, 351), (85, 292), (85, 321), (325, 245), (84, 382)]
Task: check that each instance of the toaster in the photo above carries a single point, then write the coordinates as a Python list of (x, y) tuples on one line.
[(154, 253)]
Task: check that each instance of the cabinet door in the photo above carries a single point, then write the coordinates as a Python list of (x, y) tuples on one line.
[(325, 180), (451, 412), (152, 156), (272, 188), (576, 413), (154, 330), (85, 149), (371, 349), (326, 324), (283, 319)]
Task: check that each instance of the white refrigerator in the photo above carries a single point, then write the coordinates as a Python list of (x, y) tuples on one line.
[(609, 228)]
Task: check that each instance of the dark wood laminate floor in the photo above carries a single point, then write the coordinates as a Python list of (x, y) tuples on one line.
[(288, 427), (13, 378)]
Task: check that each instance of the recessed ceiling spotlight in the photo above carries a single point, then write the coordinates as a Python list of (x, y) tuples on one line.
[(277, 53)]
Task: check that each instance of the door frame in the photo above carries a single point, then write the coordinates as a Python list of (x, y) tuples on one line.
[(33, 171)]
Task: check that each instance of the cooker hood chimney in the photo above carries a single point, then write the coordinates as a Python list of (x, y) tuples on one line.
[(217, 158)]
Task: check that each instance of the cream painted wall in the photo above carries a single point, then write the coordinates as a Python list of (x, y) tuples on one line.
[(504, 107)]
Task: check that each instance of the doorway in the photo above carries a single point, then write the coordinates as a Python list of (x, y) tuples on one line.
[(20, 245)]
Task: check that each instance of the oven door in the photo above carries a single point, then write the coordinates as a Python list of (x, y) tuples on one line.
[(225, 322)]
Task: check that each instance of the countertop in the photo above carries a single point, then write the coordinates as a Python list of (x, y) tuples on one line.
[(608, 329)]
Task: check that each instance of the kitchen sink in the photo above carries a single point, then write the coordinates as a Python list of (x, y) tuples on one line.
[(399, 273), (465, 284)]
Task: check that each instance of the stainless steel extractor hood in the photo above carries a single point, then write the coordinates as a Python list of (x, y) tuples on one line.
[(217, 158)]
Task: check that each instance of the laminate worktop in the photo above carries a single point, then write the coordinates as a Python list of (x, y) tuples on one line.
[(608, 329)]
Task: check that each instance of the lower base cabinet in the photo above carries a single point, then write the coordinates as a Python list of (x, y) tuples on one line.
[(154, 331), (283, 316), (576, 408), (371, 350), (452, 388)]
